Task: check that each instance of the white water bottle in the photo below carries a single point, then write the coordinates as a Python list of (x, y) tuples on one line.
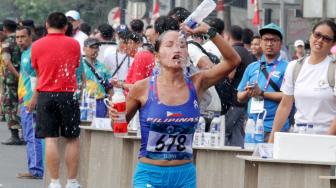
[(198, 136), (259, 133), (119, 103), (215, 132), (249, 134), (201, 12)]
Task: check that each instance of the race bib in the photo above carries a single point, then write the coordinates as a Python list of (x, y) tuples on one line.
[(257, 105), (169, 144)]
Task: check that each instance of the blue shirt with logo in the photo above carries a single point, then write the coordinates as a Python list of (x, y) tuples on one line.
[(253, 74)]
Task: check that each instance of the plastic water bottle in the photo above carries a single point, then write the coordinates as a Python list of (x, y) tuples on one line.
[(91, 108), (259, 131), (215, 132), (119, 103), (249, 134), (310, 129), (198, 136), (84, 107), (201, 12)]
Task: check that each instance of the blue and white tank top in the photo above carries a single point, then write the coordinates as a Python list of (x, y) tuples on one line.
[(167, 131)]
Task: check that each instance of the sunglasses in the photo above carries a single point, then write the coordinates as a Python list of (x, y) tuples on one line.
[(325, 38)]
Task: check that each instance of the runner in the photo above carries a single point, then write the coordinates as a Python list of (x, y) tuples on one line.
[(172, 118)]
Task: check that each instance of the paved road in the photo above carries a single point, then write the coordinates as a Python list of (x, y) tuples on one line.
[(12, 161)]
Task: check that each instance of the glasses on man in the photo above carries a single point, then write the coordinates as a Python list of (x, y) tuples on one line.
[(317, 35), (270, 40)]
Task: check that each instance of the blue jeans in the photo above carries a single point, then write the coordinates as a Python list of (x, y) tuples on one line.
[(147, 175), (34, 145)]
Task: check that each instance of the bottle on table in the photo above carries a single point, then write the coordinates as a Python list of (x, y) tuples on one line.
[(198, 136), (249, 134)]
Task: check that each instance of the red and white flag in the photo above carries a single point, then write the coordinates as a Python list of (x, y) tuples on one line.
[(156, 10), (256, 16), (220, 9)]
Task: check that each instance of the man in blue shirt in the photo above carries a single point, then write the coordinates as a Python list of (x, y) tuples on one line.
[(261, 82)]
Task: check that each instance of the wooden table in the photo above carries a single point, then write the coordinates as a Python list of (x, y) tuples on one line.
[(273, 173), (217, 167)]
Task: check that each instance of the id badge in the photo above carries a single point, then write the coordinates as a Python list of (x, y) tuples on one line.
[(257, 105)]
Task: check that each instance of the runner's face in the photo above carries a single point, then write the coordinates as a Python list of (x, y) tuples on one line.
[(173, 50), (23, 40), (271, 45), (321, 39)]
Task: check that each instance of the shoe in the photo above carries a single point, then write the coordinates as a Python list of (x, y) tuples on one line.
[(27, 175), (54, 185), (72, 185), (14, 139)]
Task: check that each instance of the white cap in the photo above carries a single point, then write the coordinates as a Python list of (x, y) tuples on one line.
[(299, 43), (73, 14)]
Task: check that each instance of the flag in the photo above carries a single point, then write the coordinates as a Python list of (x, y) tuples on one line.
[(156, 10), (256, 16), (117, 14), (220, 9)]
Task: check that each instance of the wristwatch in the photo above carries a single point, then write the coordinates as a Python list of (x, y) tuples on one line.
[(212, 32), (262, 93)]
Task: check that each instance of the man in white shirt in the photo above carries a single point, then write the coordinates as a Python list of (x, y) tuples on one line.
[(74, 18), (105, 35)]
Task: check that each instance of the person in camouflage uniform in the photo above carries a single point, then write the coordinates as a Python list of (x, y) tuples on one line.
[(11, 56)]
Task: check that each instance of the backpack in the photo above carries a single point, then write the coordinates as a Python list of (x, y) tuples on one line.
[(330, 75), (224, 88)]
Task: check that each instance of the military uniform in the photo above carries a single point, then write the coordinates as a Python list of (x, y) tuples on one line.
[(10, 83)]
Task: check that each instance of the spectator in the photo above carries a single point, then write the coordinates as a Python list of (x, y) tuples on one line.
[(105, 35), (137, 26), (262, 79), (11, 56), (309, 83), (96, 71), (179, 14), (299, 49), (256, 49), (24, 40), (55, 58), (247, 38), (86, 28), (150, 34), (236, 115), (74, 18)]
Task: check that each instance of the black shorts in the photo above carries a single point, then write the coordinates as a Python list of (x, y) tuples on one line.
[(57, 114)]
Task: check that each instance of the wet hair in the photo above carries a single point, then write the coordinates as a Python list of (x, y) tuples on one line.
[(106, 31), (165, 23), (28, 29), (179, 13), (57, 20), (247, 36), (236, 32), (69, 31), (9, 25), (85, 27), (216, 23), (329, 23), (137, 25)]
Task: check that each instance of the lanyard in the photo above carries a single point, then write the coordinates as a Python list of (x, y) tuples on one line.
[(263, 66), (122, 62)]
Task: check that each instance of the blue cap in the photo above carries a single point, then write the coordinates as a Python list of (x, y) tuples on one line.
[(271, 28), (121, 28)]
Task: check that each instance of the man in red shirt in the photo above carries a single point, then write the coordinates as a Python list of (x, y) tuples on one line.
[(55, 58)]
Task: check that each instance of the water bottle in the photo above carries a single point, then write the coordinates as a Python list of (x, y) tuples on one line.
[(259, 132), (119, 103), (222, 131), (84, 107), (201, 12), (91, 108), (201, 125), (249, 134), (198, 132), (215, 132)]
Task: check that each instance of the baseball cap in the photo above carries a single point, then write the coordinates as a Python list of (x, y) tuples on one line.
[(90, 42), (299, 43), (121, 28), (271, 28), (73, 14)]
